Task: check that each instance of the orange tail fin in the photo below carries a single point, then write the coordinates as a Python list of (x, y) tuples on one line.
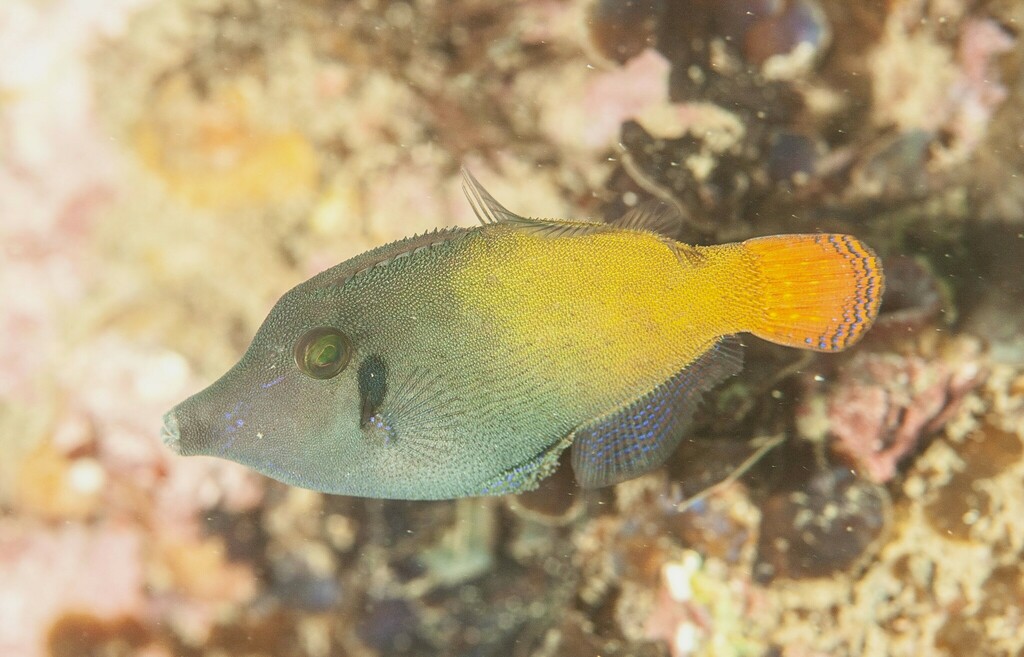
[(821, 292)]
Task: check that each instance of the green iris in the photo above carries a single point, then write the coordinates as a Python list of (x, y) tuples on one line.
[(323, 352)]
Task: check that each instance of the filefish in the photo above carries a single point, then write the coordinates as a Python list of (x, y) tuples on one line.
[(464, 361)]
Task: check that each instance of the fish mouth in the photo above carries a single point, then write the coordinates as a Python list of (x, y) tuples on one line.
[(170, 434)]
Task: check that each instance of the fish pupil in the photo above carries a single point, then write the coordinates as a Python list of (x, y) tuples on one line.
[(328, 354)]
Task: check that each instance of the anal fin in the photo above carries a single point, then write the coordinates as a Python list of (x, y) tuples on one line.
[(638, 437)]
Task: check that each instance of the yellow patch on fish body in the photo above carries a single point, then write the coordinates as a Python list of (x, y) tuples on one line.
[(609, 313)]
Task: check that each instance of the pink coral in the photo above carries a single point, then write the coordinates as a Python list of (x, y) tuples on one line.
[(145, 515), (130, 388), (883, 403), (961, 91), (624, 93), (56, 169), (49, 572), (978, 88)]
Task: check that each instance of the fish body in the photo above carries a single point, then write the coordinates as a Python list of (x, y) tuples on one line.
[(468, 359)]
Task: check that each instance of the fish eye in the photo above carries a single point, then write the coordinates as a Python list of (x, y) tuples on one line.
[(323, 352)]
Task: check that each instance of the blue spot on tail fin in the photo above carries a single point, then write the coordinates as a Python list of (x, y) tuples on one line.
[(639, 437)]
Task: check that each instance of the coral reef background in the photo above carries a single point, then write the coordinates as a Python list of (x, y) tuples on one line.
[(168, 168)]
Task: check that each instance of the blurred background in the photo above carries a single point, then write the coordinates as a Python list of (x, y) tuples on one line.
[(168, 168)]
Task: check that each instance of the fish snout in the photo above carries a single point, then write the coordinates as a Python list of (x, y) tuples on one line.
[(170, 434), (202, 424)]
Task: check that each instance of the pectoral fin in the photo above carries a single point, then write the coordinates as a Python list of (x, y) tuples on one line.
[(639, 437)]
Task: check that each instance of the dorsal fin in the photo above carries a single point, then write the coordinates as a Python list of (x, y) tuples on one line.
[(653, 216), (685, 253), (664, 220), (486, 207), (489, 211)]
